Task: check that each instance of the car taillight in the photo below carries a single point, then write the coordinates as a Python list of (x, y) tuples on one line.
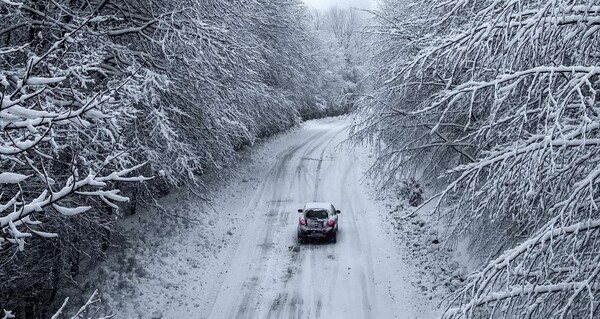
[(302, 221), (330, 223)]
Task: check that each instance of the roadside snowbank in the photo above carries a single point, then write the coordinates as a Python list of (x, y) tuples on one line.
[(442, 268)]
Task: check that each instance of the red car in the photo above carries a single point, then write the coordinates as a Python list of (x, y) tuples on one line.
[(318, 220)]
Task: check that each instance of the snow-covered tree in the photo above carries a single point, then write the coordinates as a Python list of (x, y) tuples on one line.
[(343, 51), (56, 137), (257, 77), (64, 104), (552, 274), (92, 89), (500, 97)]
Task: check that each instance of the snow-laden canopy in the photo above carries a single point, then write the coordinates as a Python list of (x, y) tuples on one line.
[(499, 97)]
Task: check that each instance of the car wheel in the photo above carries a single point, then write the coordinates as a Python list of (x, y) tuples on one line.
[(335, 237), (301, 240)]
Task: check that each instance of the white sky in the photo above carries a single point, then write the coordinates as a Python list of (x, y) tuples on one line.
[(326, 4)]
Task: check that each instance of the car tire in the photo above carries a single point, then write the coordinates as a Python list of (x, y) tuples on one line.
[(335, 237)]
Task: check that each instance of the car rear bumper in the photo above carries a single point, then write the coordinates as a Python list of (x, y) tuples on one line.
[(317, 233)]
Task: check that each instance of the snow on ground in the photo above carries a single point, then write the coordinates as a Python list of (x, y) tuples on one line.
[(442, 268), (240, 258)]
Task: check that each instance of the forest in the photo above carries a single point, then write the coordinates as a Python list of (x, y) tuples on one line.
[(105, 102), (106, 106), (496, 101)]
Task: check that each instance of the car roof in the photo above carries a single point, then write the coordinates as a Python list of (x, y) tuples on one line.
[(319, 205)]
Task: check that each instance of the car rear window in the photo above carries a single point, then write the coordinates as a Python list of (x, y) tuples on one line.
[(317, 214)]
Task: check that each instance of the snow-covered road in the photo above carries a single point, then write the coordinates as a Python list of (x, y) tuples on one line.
[(272, 276), (260, 270)]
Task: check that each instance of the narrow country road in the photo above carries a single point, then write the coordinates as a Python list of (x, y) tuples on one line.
[(238, 255), (272, 276)]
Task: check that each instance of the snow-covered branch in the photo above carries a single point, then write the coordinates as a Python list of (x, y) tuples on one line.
[(90, 89), (513, 84), (83, 310), (21, 211), (541, 290)]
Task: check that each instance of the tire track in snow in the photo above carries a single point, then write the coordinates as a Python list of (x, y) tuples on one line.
[(320, 163), (349, 202), (316, 252), (295, 303), (270, 181), (251, 285)]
